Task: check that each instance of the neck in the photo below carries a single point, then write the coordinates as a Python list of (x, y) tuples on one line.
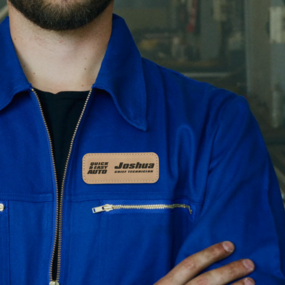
[(61, 61)]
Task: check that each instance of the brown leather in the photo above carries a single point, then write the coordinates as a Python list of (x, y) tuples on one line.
[(119, 168)]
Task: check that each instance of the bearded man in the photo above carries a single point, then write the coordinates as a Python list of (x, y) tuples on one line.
[(115, 170)]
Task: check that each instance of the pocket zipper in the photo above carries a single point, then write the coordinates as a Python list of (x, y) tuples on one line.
[(108, 207)]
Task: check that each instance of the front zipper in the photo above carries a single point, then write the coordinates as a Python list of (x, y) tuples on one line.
[(58, 230), (108, 207)]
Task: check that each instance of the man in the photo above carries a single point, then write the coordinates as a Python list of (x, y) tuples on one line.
[(117, 171)]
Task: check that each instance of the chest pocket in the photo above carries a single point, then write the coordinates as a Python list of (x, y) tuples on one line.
[(125, 242), (141, 239), (4, 243)]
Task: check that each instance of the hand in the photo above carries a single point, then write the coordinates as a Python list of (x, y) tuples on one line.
[(185, 273)]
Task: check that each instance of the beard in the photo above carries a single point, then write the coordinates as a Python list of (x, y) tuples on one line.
[(61, 15)]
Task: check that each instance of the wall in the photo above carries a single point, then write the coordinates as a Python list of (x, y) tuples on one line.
[(210, 31), (265, 60), (144, 14), (2, 3), (144, 18), (278, 58), (258, 49)]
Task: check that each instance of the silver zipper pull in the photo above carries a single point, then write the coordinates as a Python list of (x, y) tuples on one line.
[(105, 208), (2, 207)]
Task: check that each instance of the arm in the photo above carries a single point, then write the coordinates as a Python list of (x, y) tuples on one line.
[(242, 202)]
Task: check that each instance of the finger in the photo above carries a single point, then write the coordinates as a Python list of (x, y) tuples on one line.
[(225, 274), (246, 281), (192, 265)]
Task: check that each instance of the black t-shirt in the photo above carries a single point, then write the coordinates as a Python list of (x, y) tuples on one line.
[(62, 112)]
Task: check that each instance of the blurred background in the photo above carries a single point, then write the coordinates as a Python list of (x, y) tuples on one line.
[(238, 45)]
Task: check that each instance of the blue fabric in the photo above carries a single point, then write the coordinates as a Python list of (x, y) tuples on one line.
[(212, 157)]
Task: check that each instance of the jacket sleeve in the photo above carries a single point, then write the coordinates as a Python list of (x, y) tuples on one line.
[(242, 201)]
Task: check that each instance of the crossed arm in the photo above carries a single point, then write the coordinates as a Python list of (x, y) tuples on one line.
[(185, 273), (242, 204)]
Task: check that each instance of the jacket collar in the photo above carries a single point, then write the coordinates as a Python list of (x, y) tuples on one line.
[(121, 73), (12, 77)]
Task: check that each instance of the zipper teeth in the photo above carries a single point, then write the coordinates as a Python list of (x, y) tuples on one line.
[(54, 168), (144, 207), (151, 207), (59, 213), (62, 187)]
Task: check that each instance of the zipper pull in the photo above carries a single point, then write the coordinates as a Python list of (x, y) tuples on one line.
[(105, 208), (53, 283)]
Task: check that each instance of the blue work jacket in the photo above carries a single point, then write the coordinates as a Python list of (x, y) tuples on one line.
[(181, 164)]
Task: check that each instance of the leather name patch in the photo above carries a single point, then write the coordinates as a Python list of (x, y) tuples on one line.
[(120, 168)]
